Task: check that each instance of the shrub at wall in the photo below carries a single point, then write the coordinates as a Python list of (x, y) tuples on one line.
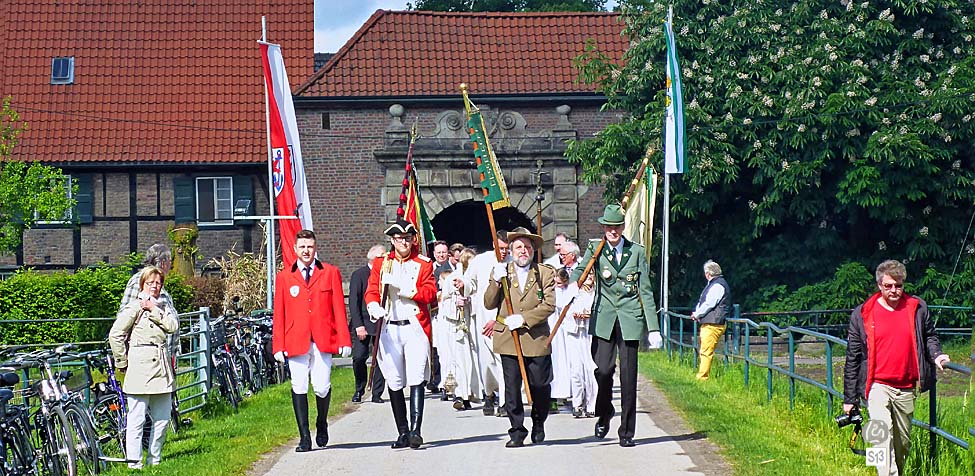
[(90, 293)]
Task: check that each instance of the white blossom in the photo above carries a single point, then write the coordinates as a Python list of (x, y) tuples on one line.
[(882, 246), (757, 144), (853, 132), (936, 117), (693, 104), (746, 121), (956, 165), (768, 101), (833, 56), (919, 34), (923, 231), (752, 205), (956, 51), (824, 15), (817, 82), (802, 128), (925, 58), (785, 165), (871, 101), (728, 117), (809, 105), (926, 210)]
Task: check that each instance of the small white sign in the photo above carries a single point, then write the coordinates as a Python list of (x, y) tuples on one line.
[(877, 457)]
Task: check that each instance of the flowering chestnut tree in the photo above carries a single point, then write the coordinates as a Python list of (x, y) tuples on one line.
[(818, 132)]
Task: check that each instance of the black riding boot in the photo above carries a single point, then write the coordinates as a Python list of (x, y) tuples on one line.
[(398, 402), (321, 424), (300, 404), (416, 415)]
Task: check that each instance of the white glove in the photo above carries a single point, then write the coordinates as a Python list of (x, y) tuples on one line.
[(941, 360), (500, 271), (514, 321), (279, 356), (376, 312), (655, 340), (345, 351)]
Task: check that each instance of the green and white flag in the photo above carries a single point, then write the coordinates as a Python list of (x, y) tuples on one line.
[(674, 122)]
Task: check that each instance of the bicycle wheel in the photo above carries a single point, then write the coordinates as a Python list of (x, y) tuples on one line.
[(110, 427), (16, 453), (56, 443), (232, 384), (244, 367), (85, 439)]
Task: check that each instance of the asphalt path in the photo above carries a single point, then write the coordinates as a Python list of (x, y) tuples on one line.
[(469, 443)]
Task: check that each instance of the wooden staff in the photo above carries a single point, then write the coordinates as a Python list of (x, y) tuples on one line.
[(602, 243), (505, 291), (387, 266)]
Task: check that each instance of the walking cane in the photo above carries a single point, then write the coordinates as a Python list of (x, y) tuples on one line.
[(387, 266)]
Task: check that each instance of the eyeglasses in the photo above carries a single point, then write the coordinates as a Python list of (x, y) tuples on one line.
[(890, 286)]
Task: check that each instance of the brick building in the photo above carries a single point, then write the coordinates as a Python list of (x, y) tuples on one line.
[(155, 109), (355, 113)]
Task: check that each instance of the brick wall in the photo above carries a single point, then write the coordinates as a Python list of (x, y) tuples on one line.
[(345, 179)]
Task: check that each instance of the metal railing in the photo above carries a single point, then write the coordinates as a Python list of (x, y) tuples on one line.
[(196, 362), (737, 346)]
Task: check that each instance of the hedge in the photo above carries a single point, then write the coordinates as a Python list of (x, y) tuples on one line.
[(93, 292)]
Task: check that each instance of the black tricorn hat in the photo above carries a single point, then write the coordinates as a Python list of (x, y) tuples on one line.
[(401, 227)]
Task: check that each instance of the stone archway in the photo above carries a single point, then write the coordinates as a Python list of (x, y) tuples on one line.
[(466, 222)]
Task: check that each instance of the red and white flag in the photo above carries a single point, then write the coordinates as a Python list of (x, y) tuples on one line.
[(284, 152)]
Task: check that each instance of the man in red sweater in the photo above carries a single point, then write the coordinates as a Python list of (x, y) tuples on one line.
[(892, 349), (309, 326), (401, 289)]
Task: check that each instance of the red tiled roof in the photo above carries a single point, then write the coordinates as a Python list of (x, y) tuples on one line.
[(431, 53), (154, 80)]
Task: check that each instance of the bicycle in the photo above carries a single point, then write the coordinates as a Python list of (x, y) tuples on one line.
[(228, 382), (17, 455)]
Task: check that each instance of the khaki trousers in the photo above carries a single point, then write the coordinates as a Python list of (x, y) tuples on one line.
[(710, 335), (894, 408)]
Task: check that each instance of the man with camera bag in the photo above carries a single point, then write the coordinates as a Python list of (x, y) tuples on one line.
[(892, 346)]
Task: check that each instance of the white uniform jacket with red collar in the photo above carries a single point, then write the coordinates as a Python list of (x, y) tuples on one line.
[(416, 269), (309, 312)]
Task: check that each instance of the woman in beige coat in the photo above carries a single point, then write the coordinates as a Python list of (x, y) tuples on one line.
[(138, 340)]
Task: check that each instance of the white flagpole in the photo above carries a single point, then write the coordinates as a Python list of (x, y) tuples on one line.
[(271, 261), (665, 256)]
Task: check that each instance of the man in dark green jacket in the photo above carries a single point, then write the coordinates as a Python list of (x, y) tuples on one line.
[(622, 312)]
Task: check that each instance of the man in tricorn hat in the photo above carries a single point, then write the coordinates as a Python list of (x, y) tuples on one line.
[(622, 311), (401, 289), (532, 290)]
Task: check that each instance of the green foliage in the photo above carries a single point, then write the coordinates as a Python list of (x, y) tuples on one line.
[(90, 293), (818, 133), (29, 192), (508, 5), (207, 292), (849, 286)]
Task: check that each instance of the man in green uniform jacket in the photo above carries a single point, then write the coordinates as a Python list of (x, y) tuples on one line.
[(622, 311)]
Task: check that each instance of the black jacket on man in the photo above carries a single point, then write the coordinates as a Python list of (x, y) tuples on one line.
[(855, 374), (358, 316)]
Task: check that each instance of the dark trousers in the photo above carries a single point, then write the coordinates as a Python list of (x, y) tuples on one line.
[(434, 368), (361, 351), (604, 354), (539, 370)]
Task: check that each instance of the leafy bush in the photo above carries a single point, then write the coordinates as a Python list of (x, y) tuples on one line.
[(208, 292), (245, 276), (89, 293)]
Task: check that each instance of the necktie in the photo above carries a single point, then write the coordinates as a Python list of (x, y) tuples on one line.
[(307, 274)]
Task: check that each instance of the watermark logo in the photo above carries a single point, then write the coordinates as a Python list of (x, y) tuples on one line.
[(876, 432)]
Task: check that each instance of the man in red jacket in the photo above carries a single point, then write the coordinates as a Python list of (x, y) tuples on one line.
[(892, 351), (401, 289), (309, 326)]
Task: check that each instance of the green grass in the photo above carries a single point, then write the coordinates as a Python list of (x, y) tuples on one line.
[(224, 443), (759, 437)]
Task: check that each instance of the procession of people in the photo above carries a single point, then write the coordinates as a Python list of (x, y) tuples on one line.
[(489, 323)]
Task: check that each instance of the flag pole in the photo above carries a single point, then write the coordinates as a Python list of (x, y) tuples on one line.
[(515, 337), (269, 229)]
